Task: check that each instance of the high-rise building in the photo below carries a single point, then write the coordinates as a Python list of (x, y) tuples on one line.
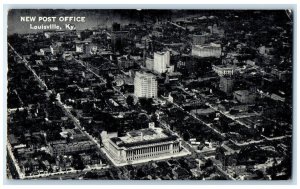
[(119, 40), (145, 85), (161, 61), (226, 84)]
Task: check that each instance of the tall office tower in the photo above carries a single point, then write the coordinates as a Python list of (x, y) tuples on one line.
[(145, 85), (161, 61), (119, 40), (226, 84)]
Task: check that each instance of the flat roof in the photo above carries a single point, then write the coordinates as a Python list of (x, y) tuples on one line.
[(242, 92), (228, 66), (143, 136), (211, 45), (144, 74), (161, 52)]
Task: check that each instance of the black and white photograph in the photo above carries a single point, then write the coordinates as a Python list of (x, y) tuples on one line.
[(150, 94)]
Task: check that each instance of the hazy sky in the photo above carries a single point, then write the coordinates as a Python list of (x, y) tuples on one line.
[(105, 17), (93, 18)]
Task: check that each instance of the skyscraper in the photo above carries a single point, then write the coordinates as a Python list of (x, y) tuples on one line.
[(226, 84), (119, 40), (145, 85), (161, 61)]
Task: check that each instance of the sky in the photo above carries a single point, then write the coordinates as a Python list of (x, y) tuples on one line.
[(105, 17), (93, 18)]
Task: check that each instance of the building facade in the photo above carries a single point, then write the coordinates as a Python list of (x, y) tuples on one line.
[(211, 50), (63, 148), (141, 145), (161, 61), (86, 48), (223, 70), (145, 85), (226, 84), (119, 40), (80, 47), (244, 96), (56, 48), (149, 63), (199, 39)]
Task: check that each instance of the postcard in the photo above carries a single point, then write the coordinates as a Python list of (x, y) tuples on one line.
[(149, 94)]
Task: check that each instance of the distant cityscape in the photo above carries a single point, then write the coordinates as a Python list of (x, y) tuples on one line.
[(164, 95)]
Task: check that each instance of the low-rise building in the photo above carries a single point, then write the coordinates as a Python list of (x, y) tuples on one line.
[(142, 146), (211, 50), (45, 51), (200, 39), (56, 48), (63, 147), (226, 84), (244, 96)]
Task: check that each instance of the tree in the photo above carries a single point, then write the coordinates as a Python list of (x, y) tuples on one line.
[(52, 97), (186, 136), (154, 118), (130, 100), (146, 104), (50, 170), (208, 163), (77, 163)]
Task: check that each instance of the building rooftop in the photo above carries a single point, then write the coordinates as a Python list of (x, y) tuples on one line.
[(242, 92), (161, 53), (72, 144), (208, 45), (228, 66), (143, 136), (142, 73)]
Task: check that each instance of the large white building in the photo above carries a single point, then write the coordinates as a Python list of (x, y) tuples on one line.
[(224, 70), (211, 50), (161, 61), (145, 85), (143, 145)]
